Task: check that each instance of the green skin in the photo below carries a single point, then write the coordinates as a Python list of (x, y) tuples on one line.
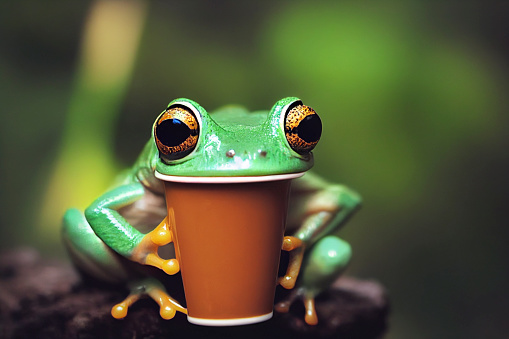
[(113, 226)]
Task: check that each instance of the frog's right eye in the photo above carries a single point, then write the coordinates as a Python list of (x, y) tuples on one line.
[(303, 127), (176, 132)]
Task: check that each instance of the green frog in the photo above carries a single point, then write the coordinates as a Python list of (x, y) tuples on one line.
[(127, 229)]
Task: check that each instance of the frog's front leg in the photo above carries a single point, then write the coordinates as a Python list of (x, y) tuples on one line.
[(146, 253), (320, 256), (114, 230)]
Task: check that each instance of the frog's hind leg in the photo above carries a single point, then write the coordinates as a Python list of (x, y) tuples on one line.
[(155, 290), (326, 261), (89, 253)]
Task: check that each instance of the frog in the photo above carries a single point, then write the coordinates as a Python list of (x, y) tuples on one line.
[(122, 236)]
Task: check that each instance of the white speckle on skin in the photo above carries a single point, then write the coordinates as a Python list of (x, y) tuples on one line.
[(240, 163), (213, 144)]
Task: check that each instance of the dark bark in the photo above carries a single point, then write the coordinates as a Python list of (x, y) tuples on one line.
[(42, 298)]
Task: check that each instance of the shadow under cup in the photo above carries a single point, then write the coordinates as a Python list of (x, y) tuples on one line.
[(228, 238)]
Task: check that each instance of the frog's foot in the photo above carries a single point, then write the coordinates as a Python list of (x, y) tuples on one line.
[(308, 300), (324, 264), (296, 248), (146, 251), (168, 306)]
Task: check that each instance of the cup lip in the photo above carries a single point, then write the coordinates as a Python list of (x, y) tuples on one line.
[(227, 180)]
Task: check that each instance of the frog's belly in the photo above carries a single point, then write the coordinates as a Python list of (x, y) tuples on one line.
[(146, 213)]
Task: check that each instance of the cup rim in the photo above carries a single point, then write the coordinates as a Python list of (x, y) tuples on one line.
[(230, 322), (227, 180)]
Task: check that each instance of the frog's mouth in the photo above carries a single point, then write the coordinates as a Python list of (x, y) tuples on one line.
[(227, 180)]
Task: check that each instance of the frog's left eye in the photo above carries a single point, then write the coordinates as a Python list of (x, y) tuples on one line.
[(176, 132), (302, 127)]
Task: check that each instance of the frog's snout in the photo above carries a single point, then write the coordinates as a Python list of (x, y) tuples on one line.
[(243, 159), (231, 153)]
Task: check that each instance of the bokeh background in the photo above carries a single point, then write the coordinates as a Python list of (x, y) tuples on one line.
[(412, 95)]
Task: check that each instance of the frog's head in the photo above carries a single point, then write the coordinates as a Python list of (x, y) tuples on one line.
[(232, 142)]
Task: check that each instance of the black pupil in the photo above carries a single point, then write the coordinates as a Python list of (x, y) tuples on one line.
[(310, 128), (172, 132)]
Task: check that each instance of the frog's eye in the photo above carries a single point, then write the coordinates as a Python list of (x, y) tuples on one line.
[(176, 132), (302, 127)]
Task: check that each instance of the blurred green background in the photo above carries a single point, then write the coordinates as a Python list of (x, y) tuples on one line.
[(412, 95)]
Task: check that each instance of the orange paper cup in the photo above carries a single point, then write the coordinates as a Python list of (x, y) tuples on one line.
[(228, 234)]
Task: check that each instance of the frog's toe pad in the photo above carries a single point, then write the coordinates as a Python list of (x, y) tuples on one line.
[(287, 281), (167, 312), (311, 318), (283, 306), (170, 266), (119, 311)]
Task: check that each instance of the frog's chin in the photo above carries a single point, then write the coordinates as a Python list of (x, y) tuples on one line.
[(227, 180)]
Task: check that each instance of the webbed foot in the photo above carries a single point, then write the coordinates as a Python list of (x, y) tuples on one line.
[(296, 248), (146, 251), (168, 306), (308, 300)]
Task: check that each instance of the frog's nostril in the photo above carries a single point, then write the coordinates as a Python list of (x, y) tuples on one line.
[(262, 153), (230, 153)]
